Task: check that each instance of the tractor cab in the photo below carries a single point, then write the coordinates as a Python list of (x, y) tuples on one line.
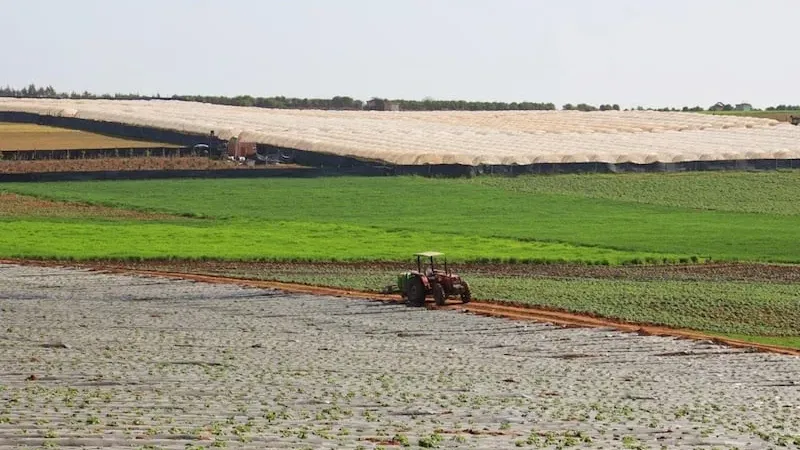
[(429, 260)]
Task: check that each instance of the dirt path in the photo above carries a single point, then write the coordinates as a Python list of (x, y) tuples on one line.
[(728, 271), (477, 306)]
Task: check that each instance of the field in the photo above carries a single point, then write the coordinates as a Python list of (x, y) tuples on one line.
[(568, 242), (19, 136), (751, 302), (783, 116), (94, 360), (97, 359), (512, 219)]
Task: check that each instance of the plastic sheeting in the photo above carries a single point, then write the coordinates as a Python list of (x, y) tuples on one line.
[(465, 138)]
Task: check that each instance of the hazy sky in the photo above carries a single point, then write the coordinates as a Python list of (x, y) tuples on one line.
[(631, 52)]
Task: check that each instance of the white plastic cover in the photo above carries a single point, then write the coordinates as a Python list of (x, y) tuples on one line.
[(471, 138)]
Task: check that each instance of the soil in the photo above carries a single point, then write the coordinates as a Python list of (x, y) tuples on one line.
[(19, 136), (121, 164), (751, 272), (13, 205), (123, 361)]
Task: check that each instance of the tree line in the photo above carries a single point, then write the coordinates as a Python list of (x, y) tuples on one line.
[(349, 103), (280, 102)]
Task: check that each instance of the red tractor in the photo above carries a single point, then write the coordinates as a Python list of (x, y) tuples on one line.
[(415, 285)]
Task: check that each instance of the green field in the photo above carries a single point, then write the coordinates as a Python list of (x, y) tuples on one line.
[(598, 219), (590, 219), (269, 241)]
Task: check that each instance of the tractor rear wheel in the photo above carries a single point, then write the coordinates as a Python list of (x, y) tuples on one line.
[(466, 294), (416, 292), (438, 294)]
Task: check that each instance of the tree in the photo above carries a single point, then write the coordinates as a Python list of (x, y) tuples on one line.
[(342, 103)]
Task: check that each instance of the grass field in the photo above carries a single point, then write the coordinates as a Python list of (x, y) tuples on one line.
[(594, 219), (19, 136), (741, 192), (250, 240), (731, 216)]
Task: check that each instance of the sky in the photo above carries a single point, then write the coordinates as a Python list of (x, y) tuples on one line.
[(631, 52)]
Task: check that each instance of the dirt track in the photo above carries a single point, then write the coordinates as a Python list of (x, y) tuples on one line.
[(128, 362), (709, 271)]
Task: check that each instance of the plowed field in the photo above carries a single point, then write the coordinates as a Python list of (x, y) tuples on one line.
[(19, 136), (116, 164)]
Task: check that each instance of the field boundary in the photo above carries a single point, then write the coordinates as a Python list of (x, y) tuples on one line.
[(492, 308), (95, 153), (291, 172), (447, 171)]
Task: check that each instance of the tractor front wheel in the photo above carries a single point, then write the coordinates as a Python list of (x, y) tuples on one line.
[(466, 295), (416, 292), (438, 294)]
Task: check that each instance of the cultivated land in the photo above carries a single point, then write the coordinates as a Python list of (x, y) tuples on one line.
[(457, 137), (127, 362), (18, 136), (723, 216), (750, 302), (597, 221)]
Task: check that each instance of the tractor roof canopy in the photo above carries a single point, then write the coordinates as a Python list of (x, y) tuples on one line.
[(429, 254)]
